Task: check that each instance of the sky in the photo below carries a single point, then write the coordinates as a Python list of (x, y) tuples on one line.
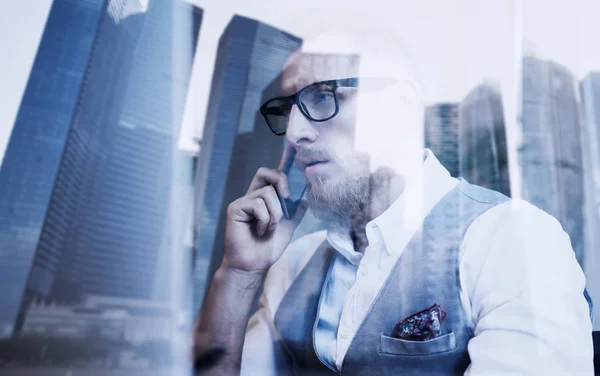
[(451, 55), (454, 44), (566, 32)]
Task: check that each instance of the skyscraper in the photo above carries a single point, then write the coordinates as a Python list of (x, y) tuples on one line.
[(87, 147), (441, 134), (550, 153), (122, 232), (590, 94), (105, 228), (34, 150), (482, 151), (249, 57)]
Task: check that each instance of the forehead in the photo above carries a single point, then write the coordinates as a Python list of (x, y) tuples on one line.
[(304, 69)]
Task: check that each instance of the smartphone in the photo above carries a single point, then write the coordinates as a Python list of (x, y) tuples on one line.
[(296, 181)]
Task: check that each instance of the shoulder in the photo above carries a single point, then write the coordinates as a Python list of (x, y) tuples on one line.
[(481, 194), (517, 232), (514, 216)]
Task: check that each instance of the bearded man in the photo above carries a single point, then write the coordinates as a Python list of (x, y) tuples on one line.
[(418, 272)]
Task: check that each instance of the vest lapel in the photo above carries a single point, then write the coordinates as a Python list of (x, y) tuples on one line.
[(295, 317)]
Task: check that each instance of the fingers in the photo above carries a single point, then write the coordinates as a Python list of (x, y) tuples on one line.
[(267, 176), (272, 203), (261, 206), (251, 209)]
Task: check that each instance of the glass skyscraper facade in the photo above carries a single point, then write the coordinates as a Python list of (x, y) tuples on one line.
[(590, 95), (482, 150), (87, 146), (250, 56), (441, 134), (551, 154), (103, 226), (35, 146)]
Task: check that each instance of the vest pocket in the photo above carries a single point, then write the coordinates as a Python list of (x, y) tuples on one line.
[(397, 346)]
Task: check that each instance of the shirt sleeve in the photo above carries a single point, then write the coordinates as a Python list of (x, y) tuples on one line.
[(263, 352), (526, 290)]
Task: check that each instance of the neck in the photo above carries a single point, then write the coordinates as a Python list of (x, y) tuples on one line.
[(385, 187)]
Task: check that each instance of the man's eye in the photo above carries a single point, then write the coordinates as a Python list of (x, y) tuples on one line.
[(322, 96)]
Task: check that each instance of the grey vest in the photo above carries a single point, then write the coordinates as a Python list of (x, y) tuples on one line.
[(426, 273)]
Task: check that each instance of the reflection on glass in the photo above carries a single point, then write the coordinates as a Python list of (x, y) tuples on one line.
[(483, 152), (550, 153), (95, 194)]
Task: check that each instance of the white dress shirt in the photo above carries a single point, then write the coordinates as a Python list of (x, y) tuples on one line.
[(521, 286)]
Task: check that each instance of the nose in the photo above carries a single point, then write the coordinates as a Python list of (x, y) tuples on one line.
[(300, 130)]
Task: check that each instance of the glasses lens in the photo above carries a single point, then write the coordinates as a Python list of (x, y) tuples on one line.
[(319, 101), (277, 114)]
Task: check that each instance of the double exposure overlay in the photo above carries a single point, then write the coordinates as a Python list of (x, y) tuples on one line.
[(312, 188)]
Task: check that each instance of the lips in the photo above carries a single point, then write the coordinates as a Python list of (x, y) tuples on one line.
[(315, 167), (313, 163)]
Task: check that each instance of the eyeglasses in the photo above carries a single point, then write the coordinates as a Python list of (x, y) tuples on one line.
[(318, 102)]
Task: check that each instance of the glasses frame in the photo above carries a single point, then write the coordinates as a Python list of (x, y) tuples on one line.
[(294, 99)]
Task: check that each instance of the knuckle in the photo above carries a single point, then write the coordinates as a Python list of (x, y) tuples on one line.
[(267, 191), (232, 207), (270, 190), (262, 171), (259, 205)]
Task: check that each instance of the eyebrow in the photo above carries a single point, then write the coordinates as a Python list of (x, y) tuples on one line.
[(288, 89), (292, 86)]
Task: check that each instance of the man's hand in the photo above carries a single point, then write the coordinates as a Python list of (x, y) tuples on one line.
[(256, 235), (255, 231)]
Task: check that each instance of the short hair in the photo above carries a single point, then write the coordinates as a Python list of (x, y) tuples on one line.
[(382, 51)]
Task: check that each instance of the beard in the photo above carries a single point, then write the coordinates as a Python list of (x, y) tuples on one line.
[(350, 196), (338, 199)]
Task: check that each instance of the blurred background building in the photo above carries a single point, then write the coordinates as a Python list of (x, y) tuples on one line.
[(95, 193), (235, 141), (469, 138), (482, 149), (35, 146), (441, 134), (550, 155), (590, 95)]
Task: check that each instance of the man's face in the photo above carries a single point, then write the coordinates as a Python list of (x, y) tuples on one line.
[(337, 175)]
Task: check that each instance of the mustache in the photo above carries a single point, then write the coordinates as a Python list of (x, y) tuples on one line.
[(306, 155)]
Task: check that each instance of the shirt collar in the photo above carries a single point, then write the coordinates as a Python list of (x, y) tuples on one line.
[(396, 225)]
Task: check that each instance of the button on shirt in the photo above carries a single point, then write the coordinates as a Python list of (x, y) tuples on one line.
[(524, 322)]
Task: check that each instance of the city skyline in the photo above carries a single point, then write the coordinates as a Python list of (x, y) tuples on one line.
[(551, 151), (483, 152), (429, 47), (469, 137), (512, 19), (110, 186), (581, 64), (28, 175)]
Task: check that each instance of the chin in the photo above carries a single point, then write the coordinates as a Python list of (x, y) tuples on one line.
[(340, 195)]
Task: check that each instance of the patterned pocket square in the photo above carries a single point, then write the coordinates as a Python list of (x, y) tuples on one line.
[(421, 326)]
